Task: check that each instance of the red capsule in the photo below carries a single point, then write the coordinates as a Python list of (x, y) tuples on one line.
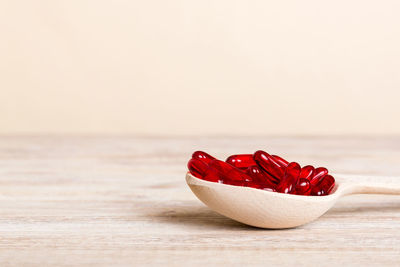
[(303, 187), (197, 167), (229, 174), (212, 175), (261, 178), (203, 156), (327, 183), (269, 164), (316, 191), (282, 162), (241, 161), (289, 181), (307, 172), (319, 174)]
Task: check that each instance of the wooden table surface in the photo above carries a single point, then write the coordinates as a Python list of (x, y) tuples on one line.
[(123, 201)]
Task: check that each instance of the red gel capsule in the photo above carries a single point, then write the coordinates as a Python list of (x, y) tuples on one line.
[(316, 191), (212, 175), (303, 187), (288, 183), (319, 174), (203, 156), (268, 164), (282, 162), (242, 161), (307, 172), (197, 167), (261, 178), (228, 173), (327, 183)]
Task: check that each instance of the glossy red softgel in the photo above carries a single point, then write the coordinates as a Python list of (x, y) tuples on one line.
[(262, 171), (242, 161)]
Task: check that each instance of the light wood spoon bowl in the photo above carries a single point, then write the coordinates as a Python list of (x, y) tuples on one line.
[(273, 210)]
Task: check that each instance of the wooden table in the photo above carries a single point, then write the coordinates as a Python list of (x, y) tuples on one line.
[(119, 201)]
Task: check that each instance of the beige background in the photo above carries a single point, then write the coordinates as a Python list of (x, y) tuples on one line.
[(200, 67)]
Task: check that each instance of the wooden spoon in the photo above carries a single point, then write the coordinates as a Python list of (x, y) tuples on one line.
[(273, 210)]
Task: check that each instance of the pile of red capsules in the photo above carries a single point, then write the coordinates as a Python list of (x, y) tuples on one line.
[(262, 171)]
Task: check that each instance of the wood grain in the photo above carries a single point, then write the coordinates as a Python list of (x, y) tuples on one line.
[(123, 201)]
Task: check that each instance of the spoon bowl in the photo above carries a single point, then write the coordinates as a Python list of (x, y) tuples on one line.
[(266, 209)]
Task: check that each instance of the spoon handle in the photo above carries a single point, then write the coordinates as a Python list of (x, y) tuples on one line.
[(370, 185), (375, 188)]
